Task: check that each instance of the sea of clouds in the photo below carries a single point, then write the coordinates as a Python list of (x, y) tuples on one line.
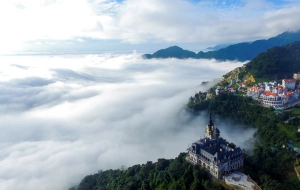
[(66, 116)]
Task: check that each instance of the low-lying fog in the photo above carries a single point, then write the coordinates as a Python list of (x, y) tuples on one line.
[(64, 117)]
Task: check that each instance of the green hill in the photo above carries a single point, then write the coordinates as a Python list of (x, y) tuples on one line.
[(171, 52), (276, 63), (241, 51)]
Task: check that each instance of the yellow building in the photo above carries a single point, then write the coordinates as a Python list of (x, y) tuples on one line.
[(249, 80), (209, 95), (297, 76)]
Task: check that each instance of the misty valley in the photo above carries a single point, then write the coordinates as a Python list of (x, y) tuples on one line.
[(265, 149), (77, 114)]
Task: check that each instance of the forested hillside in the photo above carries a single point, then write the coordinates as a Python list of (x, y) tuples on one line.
[(272, 170), (163, 174), (276, 63)]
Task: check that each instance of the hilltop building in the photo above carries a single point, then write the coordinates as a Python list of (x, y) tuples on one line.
[(289, 83), (215, 154), (232, 90), (274, 94), (271, 99), (219, 90)]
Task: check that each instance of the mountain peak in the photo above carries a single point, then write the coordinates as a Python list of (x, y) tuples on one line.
[(171, 52), (175, 47)]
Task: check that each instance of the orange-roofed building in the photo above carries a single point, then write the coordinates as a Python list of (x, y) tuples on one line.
[(279, 89), (254, 91), (273, 94), (271, 99), (290, 96), (233, 90)]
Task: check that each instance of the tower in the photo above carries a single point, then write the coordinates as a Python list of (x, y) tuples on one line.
[(209, 128), (211, 131), (216, 133)]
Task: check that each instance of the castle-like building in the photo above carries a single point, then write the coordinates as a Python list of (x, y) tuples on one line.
[(215, 154)]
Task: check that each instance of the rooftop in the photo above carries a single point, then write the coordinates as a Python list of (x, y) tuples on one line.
[(218, 148), (268, 93), (289, 80)]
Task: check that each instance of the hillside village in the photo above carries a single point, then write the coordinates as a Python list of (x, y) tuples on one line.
[(274, 94), (278, 94)]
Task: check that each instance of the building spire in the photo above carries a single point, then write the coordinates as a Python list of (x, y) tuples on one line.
[(210, 123), (209, 128)]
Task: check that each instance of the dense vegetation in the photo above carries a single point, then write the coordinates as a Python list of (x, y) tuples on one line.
[(174, 174), (271, 169), (276, 63), (241, 52)]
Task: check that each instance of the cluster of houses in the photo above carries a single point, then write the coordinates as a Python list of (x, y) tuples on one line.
[(272, 94), (275, 94), (220, 90), (209, 94)]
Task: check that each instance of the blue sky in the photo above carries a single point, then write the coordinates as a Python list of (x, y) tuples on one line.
[(142, 25), (241, 3)]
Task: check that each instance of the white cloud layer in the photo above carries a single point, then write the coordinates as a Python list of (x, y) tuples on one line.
[(63, 117), (143, 21)]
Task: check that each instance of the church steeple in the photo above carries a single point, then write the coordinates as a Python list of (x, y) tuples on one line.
[(209, 128), (210, 123), (211, 131)]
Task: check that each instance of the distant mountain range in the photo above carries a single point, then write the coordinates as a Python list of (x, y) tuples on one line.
[(241, 51)]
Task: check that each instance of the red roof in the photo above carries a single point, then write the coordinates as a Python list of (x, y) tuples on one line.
[(280, 87), (268, 93), (255, 88), (289, 80), (288, 93)]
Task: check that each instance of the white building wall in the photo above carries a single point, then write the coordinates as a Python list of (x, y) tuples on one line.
[(271, 100), (289, 84)]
